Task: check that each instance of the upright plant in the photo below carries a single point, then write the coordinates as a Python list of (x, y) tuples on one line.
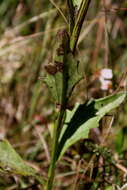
[(70, 125), (62, 77)]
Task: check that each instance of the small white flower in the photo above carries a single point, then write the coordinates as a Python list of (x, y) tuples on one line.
[(105, 79), (106, 73)]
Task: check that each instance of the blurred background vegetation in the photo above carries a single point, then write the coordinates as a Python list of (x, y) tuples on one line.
[(27, 38)]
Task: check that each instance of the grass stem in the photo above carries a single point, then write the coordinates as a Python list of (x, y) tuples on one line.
[(78, 24)]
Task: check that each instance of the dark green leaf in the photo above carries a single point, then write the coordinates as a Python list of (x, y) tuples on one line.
[(84, 117)]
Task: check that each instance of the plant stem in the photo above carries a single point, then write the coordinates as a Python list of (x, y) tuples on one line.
[(78, 24), (64, 42), (57, 129), (54, 149), (71, 15)]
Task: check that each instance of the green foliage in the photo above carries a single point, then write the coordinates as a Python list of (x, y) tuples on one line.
[(84, 117), (55, 84), (109, 188), (77, 3), (63, 75), (71, 77), (119, 141), (28, 33), (11, 162), (74, 75)]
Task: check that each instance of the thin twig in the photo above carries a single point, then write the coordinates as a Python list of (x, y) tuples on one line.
[(63, 16), (106, 134), (43, 143), (121, 167), (77, 175)]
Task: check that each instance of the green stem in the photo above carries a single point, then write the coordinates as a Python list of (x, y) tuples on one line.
[(78, 24), (71, 15), (52, 167), (73, 42), (59, 123)]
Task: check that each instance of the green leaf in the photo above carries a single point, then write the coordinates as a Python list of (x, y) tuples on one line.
[(109, 188), (84, 117), (74, 76), (55, 84), (77, 3), (119, 141), (11, 162), (104, 105), (69, 78)]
